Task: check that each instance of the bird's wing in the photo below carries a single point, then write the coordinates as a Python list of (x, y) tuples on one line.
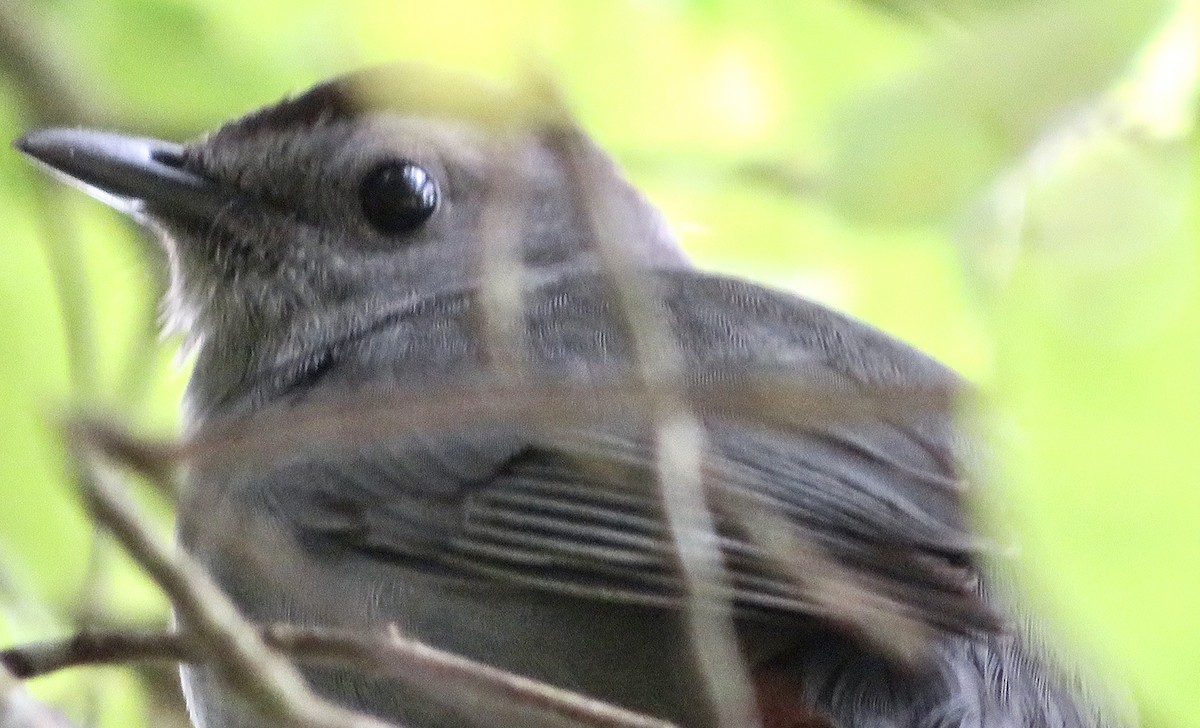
[(800, 510), (593, 520), (584, 515)]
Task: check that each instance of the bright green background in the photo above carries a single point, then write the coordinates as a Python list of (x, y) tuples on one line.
[(1008, 185)]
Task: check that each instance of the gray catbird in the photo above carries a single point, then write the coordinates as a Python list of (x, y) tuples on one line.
[(331, 244)]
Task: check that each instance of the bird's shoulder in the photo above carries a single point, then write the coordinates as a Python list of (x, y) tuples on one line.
[(574, 325), (575, 507)]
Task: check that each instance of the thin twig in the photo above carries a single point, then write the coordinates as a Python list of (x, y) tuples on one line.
[(100, 648), (71, 287), (19, 710), (133, 384), (460, 681), (353, 419), (235, 646), (393, 655), (50, 95), (838, 593), (47, 85), (501, 271), (772, 175), (680, 438)]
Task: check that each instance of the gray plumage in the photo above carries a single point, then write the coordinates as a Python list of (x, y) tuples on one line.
[(535, 547)]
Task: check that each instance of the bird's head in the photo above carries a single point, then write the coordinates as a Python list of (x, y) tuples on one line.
[(373, 186)]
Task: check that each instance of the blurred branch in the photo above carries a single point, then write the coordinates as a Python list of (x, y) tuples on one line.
[(232, 644), (19, 710), (23, 605), (137, 373), (165, 706), (680, 444), (921, 13), (43, 79), (63, 256), (777, 175), (51, 91), (680, 438), (501, 271), (51, 96), (404, 659), (767, 397), (99, 648), (250, 658), (456, 677), (836, 591)]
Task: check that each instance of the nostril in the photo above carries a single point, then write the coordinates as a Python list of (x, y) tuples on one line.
[(169, 157)]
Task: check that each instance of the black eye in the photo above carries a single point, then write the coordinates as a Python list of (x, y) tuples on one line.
[(398, 196)]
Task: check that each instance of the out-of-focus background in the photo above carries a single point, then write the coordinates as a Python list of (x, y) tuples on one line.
[(1008, 184)]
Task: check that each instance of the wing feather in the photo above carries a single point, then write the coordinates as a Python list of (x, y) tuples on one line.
[(577, 511)]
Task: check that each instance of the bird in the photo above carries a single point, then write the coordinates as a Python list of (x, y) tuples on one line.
[(336, 243)]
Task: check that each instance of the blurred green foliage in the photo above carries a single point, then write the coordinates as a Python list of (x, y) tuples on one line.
[(1008, 185)]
